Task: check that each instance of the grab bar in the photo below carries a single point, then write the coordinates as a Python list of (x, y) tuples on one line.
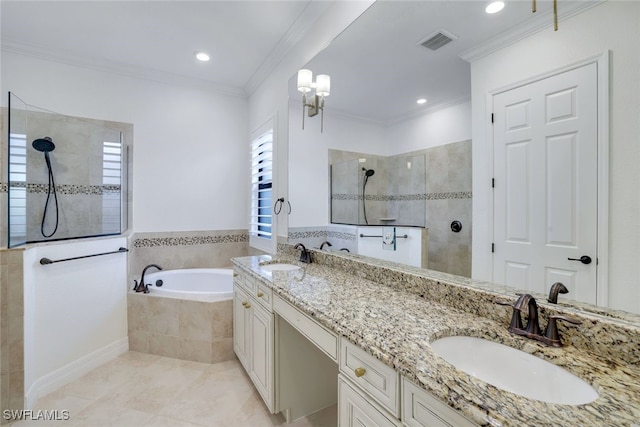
[(46, 261), (404, 236)]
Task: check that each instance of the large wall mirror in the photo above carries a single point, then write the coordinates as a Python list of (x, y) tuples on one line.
[(379, 67)]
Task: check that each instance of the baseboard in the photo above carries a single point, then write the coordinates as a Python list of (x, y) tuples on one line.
[(74, 370)]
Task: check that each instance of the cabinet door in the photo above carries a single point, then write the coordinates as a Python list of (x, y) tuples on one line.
[(241, 324), (262, 353), (420, 409), (355, 410)]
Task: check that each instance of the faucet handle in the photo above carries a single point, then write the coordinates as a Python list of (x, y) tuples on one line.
[(552, 327), (516, 320)]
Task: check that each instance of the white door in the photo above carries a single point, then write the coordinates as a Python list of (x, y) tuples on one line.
[(545, 189)]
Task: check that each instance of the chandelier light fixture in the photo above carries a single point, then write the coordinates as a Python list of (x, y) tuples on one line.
[(313, 103)]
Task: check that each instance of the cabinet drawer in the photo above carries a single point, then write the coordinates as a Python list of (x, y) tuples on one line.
[(419, 409), (382, 382), (323, 339), (355, 409), (243, 280), (263, 295)]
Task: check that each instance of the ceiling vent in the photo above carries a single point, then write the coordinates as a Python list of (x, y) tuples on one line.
[(435, 41)]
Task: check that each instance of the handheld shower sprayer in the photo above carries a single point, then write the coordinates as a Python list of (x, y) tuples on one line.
[(45, 145), (367, 174)]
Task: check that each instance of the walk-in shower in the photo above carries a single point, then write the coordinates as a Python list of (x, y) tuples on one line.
[(46, 145), (368, 173)]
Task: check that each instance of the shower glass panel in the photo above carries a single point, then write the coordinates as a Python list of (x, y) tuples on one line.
[(379, 191), (67, 176)]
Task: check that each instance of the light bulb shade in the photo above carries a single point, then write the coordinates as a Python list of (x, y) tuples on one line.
[(305, 77), (323, 85)]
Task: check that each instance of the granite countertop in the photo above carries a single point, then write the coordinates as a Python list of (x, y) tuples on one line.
[(397, 328)]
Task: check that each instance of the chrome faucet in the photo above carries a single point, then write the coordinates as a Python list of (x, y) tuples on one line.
[(527, 302), (142, 287), (325, 243), (305, 256)]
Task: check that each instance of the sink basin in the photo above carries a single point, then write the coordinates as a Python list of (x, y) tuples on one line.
[(514, 370), (279, 267)]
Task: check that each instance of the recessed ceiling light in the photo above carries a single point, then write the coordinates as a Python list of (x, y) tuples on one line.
[(421, 101), (202, 56), (494, 7)]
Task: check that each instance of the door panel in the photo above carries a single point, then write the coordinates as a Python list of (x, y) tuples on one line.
[(545, 194)]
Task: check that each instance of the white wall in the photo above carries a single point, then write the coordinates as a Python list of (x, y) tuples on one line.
[(189, 142), (271, 98), (75, 312), (435, 128), (309, 162), (613, 25)]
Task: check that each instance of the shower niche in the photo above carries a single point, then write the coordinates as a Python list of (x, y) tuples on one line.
[(376, 190), (67, 176)]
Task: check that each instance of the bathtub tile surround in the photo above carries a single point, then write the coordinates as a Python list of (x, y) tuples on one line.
[(188, 249), (11, 330), (364, 301), (183, 329)]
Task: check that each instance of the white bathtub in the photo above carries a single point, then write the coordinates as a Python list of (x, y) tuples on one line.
[(205, 284)]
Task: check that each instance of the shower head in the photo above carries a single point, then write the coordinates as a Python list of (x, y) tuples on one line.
[(44, 145), (368, 172)]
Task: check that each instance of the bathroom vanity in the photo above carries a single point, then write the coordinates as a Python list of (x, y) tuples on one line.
[(315, 334)]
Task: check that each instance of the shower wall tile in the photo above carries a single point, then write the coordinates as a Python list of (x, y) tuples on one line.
[(433, 198), (77, 164)]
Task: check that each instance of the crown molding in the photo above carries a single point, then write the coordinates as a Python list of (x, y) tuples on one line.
[(294, 34), (143, 73), (333, 112), (542, 21)]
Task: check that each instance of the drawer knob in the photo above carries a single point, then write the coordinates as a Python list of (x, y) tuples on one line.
[(235, 274), (260, 294), (247, 305), (360, 372)]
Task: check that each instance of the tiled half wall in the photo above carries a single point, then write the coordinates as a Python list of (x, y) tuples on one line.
[(11, 331)]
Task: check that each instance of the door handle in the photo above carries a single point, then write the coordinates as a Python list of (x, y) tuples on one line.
[(585, 259)]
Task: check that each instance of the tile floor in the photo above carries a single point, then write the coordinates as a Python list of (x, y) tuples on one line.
[(143, 390)]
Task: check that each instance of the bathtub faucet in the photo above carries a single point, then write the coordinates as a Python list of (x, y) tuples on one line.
[(142, 287)]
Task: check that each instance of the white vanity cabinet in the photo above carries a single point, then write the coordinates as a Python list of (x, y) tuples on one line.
[(284, 351), (355, 409), (374, 394), (420, 409), (253, 332)]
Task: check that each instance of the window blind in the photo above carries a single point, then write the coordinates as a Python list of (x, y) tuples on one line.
[(260, 224)]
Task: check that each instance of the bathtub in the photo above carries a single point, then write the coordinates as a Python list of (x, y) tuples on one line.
[(202, 284), (189, 317)]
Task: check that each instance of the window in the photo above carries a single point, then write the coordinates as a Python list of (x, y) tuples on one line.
[(261, 228), (111, 186), (18, 193)]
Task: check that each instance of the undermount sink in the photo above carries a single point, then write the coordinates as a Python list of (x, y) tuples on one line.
[(514, 370), (279, 267)]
